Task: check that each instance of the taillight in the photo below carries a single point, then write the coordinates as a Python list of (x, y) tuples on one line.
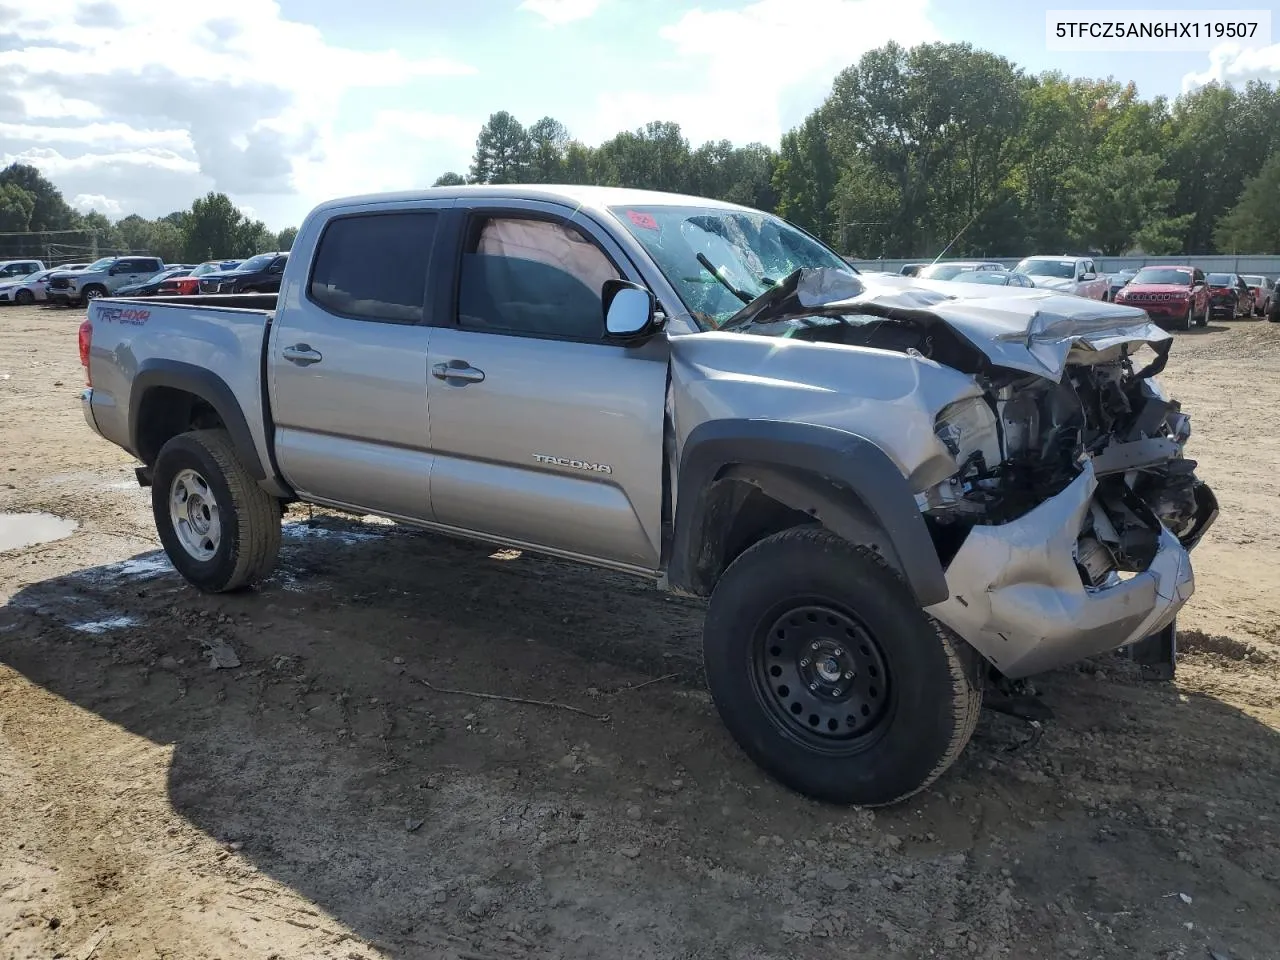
[(86, 341)]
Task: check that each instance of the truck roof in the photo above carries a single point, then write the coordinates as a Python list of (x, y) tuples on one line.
[(594, 198)]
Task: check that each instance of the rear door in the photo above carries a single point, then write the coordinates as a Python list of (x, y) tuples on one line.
[(543, 433), (347, 362)]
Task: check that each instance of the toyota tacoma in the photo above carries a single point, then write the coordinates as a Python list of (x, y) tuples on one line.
[(891, 496)]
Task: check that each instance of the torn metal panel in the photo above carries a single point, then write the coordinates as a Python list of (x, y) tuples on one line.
[(1018, 598)]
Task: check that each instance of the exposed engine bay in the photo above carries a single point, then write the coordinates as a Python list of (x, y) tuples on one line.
[(1028, 438), (1060, 392)]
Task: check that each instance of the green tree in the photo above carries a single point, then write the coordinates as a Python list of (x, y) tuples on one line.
[(16, 206), (1122, 202), (450, 179), (1253, 224), (547, 140), (285, 238), (654, 157), (104, 235), (213, 228), (579, 163), (502, 151), (49, 211), (804, 179), (166, 241), (136, 233)]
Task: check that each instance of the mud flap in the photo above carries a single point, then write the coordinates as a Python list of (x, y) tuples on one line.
[(1157, 654)]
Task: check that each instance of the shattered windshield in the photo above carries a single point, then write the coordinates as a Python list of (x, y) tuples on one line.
[(749, 253), (1063, 269)]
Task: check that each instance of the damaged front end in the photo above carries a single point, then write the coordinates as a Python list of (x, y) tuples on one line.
[(1066, 531), (1066, 527)]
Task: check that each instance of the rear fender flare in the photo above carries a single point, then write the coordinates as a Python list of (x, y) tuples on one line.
[(841, 479), (210, 388)]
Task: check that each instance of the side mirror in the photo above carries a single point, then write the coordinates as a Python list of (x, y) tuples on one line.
[(1088, 276), (628, 310)]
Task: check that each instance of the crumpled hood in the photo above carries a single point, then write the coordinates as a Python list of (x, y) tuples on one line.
[(1030, 330)]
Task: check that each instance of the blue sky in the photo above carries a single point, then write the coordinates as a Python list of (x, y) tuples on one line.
[(284, 104)]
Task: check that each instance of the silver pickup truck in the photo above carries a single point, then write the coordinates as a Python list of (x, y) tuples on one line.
[(893, 496)]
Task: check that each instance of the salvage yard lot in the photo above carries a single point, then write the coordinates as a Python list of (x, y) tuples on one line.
[(326, 798)]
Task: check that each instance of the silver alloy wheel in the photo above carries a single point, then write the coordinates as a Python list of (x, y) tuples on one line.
[(194, 514), (93, 293)]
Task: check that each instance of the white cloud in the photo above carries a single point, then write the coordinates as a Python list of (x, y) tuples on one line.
[(85, 202), (1232, 64), (743, 91), (561, 11), (233, 97)]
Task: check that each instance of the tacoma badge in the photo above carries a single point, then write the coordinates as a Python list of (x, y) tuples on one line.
[(576, 464)]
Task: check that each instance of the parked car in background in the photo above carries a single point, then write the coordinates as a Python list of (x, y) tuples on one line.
[(151, 286), (1262, 288), (1274, 315), (996, 278), (58, 286), (17, 269), (1078, 275), (911, 269), (949, 271), (189, 284), (1229, 296), (1175, 296), (260, 274), (101, 278), (24, 290), (1118, 280)]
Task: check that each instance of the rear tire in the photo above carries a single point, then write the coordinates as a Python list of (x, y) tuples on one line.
[(219, 528), (830, 676)]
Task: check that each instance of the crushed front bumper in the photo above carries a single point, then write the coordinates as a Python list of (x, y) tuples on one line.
[(1018, 599)]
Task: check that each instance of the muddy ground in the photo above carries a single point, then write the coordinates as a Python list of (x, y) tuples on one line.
[(322, 800)]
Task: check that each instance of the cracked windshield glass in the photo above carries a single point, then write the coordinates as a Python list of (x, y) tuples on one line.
[(719, 260)]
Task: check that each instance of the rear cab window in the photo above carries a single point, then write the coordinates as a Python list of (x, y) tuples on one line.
[(373, 266)]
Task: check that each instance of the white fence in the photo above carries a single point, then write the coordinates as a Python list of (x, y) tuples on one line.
[(1266, 265)]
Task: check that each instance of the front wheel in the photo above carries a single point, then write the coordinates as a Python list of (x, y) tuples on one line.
[(24, 298), (219, 528), (1187, 322), (1204, 316), (94, 291), (830, 676)]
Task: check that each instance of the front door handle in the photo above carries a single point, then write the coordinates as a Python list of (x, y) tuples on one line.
[(301, 354), (457, 370)]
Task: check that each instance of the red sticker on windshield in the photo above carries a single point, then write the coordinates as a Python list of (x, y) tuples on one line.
[(642, 220)]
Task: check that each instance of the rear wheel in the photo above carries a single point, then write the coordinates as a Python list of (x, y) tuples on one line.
[(219, 528), (830, 676)]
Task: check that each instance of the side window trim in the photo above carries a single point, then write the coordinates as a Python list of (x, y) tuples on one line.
[(361, 212)]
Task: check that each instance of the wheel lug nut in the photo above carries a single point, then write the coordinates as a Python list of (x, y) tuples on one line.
[(814, 646), (848, 675), (837, 691), (813, 686), (838, 651)]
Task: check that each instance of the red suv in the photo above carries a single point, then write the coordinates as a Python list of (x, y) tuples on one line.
[(1176, 295)]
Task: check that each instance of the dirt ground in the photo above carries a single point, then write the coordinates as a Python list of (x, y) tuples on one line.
[(329, 798)]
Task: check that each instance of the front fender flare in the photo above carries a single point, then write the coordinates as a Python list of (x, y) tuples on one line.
[(841, 479)]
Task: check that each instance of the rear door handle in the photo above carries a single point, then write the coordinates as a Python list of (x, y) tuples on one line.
[(301, 354), (457, 370)]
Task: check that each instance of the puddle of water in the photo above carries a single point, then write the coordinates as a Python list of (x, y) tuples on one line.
[(301, 531), (18, 530), (102, 626)]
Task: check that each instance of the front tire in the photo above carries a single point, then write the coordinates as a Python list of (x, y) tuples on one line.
[(24, 298), (830, 676), (93, 292), (1188, 321), (1204, 316), (218, 527)]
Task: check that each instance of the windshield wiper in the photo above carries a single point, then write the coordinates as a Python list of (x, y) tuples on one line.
[(740, 294)]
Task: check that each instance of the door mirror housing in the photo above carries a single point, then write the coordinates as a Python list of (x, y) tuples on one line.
[(629, 311), (1088, 276)]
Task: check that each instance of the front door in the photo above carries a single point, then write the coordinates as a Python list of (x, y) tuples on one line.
[(347, 364), (544, 434)]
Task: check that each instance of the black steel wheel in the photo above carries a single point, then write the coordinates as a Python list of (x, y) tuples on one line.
[(830, 676), (821, 677)]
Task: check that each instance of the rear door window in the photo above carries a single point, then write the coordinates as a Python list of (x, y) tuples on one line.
[(374, 266)]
